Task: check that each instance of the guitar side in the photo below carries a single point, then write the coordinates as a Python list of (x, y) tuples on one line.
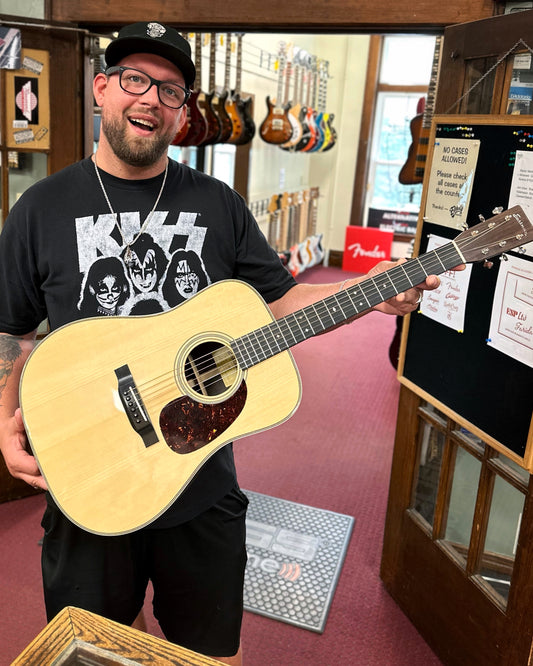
[(100, 472)]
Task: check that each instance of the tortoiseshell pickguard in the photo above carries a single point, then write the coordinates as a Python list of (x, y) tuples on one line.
[(188, 425)]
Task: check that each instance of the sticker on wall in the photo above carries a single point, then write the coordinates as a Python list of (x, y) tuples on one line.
[(10, 45), (28, 102)]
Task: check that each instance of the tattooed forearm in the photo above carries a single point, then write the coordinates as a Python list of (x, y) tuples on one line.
[(10, 351)]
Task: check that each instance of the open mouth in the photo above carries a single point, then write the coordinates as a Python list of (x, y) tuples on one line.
[(142, 124)]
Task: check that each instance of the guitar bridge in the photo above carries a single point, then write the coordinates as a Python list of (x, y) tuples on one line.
[(134, 406)]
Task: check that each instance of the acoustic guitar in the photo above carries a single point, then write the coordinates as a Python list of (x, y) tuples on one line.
[(121, 412)]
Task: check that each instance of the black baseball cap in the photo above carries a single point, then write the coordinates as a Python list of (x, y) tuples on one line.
[(156, 38)]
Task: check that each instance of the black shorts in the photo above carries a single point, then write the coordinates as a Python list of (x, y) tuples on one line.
[(197, 572)]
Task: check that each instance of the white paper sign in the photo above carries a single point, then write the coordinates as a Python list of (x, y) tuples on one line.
[(511, 324), (521, 192), (447, 303), (450, 184)]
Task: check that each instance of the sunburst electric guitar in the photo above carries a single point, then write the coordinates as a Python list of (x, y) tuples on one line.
[(121, 412)]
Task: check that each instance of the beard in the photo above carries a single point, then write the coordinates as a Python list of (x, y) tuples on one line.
[(136, 151)]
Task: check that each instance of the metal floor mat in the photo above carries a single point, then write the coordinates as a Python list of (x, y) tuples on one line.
[(295, 555)]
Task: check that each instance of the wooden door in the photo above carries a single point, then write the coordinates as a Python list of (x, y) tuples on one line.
[(458, 547)]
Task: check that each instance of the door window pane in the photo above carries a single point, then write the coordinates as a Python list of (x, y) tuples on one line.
[(502, 536), (431, 447), (462, 502), (478, 91)]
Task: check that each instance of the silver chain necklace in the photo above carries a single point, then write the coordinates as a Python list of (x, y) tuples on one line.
[(128, 258)]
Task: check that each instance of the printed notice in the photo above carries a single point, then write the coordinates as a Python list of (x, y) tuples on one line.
[(511, 324), (521, 193), (447, 303), (450, 184)]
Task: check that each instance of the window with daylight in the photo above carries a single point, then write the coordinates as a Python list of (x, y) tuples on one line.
[(407, 65)]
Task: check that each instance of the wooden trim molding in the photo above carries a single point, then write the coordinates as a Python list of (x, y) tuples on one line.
[(304, 15)]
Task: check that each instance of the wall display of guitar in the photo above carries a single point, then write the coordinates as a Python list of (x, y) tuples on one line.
[(276, 127), (412, 171), (197, 127), (210, 99), (294, 71), (325, 119), (307, 117), (240, 108), (121, 412), (219, 102)]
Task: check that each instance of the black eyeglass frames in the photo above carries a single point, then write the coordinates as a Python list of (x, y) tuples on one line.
[(137, 82)]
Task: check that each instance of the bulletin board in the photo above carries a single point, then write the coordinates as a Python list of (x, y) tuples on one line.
[(27, 109), (458, 351)]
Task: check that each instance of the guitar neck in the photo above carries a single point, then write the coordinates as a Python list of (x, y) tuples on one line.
[(280, 335), (212, 61), (432, 88)]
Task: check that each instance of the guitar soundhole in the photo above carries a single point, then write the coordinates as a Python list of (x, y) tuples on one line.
[(215, 390)]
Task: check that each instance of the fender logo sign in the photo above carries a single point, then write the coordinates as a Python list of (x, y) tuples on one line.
[(364, 247)]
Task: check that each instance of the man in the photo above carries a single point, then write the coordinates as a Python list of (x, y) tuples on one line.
[(65, 252)]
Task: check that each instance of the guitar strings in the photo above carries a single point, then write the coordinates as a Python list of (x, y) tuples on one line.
[(314, 314)]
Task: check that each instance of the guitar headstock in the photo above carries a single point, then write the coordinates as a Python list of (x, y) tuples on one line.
[(501, 233)]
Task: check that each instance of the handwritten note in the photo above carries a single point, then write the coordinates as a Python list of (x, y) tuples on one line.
[(447, 303), (521, 192)]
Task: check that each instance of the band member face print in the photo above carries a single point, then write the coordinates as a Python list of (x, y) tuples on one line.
[(106, 288), (186, 280), (157, 276), (185, 277)]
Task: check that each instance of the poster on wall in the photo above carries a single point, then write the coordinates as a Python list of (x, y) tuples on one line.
[(27, 102), (451, 179), (511, 323)]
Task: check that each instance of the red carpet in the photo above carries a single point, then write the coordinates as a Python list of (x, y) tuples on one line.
[(334, 453)]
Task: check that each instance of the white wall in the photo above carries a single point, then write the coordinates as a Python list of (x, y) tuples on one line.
[(275, 170), (24, 8)]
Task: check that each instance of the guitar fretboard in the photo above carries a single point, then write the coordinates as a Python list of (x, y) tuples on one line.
[(280, 335)]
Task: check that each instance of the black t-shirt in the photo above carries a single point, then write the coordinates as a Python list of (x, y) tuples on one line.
[(62, 258)]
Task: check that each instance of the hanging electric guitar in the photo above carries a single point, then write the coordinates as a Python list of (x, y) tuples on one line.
[(276, 127), (412, 171), (121, 412), (210, 100), (240, 109), (294, 105), (307, 114), (244, 104), (219, 104), (196, 120)]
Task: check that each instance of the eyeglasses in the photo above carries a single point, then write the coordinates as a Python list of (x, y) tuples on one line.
[(135, 82)]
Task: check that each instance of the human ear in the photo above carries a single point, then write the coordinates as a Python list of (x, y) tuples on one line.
[(99, 87)]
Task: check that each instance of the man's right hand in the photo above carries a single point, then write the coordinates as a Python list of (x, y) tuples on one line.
[(19, 462)]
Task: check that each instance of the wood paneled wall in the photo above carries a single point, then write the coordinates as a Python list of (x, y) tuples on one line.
[(278, 15)]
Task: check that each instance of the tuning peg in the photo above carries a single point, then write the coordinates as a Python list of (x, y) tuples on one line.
[(497, 210), (487, 264), (481, 218), (521, 250), (504, 257), (464, 226)]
